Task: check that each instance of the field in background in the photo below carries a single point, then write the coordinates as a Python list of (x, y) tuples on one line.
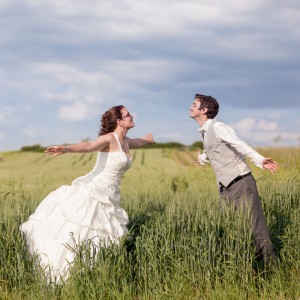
[(179, 246)]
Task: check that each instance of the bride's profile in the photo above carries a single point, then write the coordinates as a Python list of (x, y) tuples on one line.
[(88, 209)]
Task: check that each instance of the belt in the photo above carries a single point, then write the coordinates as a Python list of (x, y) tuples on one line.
[(235, 180)]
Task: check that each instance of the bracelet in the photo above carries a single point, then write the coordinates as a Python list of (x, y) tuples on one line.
[(66, 149)]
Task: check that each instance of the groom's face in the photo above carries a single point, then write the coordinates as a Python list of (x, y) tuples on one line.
[(194, 109)]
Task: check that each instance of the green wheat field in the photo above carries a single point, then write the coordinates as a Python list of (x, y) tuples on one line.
[(179, 246)]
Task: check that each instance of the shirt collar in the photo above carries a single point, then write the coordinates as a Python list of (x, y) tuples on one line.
[(205, 126)]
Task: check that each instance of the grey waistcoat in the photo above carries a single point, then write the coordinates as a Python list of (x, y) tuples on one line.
[(225, 160)]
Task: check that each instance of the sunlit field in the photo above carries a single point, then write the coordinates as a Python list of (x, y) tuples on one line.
[(179, 246)]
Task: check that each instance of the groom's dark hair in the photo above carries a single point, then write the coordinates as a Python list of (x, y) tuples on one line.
[(210, 103)]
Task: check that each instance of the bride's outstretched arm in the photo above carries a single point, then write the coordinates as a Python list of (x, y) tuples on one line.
[(84, 147), (140, 142)]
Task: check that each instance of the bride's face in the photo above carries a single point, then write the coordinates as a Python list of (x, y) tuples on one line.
[(127, 118)]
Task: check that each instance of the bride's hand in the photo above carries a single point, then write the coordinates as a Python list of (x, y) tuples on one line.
[(149, 138), (54, 151)]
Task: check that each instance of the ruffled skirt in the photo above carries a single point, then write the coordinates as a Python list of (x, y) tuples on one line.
[(70, 216)]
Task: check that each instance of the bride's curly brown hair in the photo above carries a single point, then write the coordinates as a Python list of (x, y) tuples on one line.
[(109, 119)]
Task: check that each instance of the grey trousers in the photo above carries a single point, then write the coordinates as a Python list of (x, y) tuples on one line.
[(244, 193)]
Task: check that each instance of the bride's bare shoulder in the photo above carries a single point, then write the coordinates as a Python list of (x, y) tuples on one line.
[(107, 137)]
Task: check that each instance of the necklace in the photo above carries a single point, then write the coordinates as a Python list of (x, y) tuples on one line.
[(125, 146), (123, 143)]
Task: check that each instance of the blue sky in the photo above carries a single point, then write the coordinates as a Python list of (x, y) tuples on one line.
[(65, 62)]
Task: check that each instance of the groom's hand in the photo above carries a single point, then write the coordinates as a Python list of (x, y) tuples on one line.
[(270, 164), (201, 161)]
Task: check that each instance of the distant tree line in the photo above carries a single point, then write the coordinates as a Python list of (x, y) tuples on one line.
[(33, 148), (175, 145)]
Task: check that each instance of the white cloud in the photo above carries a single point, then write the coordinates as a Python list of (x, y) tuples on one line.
[(63, 83), (244, 126), (67, 83), (285, 138), (74, 112), (4, 3), (67, 74), (261, 131), (267, 125), (170, 136), (76, 57), (251, 124), (145, 71), (7, 115), (33, 131), (240, 27), (275, 115), (291, 136)]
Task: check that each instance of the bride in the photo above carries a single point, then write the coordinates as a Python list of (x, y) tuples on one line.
[(89, 209)]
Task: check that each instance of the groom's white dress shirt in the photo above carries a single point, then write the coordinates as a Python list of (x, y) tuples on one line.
[(225, 133)]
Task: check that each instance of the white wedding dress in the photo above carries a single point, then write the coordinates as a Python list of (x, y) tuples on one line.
[(86, 211)]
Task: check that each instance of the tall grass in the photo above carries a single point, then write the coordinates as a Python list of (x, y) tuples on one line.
[(179, 245)]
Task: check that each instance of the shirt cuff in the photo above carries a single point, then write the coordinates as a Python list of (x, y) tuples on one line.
[(202, 159)]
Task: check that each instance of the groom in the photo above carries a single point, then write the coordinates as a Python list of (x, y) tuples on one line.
[(226, 153)]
